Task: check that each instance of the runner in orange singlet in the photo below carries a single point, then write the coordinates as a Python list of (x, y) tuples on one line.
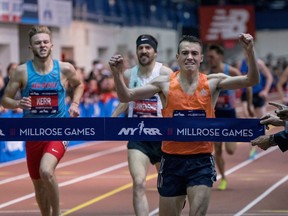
[(187, 168)]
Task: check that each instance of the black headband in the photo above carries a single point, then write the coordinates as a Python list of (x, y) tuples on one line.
[(147, 39)]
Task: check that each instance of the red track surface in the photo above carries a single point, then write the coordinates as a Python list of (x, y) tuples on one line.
[(94, 180)]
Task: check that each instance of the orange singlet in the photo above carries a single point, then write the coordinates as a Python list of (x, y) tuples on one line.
[(177, 99)]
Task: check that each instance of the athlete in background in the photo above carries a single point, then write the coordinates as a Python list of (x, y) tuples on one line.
[(225, 105), (259, 92)]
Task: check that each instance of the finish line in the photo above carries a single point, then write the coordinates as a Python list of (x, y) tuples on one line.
[(120, 129)]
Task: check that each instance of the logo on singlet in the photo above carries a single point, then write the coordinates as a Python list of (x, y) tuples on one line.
[(203, 92)]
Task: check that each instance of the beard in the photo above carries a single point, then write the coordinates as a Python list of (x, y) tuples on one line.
[(42, 56), (145, 61)]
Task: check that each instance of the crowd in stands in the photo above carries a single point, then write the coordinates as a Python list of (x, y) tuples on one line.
[(100, 98)]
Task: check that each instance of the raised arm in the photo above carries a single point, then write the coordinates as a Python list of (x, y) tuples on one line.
[(125, 94), (252, 77)]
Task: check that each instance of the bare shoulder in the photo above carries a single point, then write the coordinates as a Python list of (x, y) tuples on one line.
[(164, 70), (66, 65), (261, 64), (67, 69), (161, 79), (260, 61), (21, 68), (20, 72), (127, 73)]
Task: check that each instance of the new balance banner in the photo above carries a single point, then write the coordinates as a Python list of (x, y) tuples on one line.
[(181, 129), (225, 23)]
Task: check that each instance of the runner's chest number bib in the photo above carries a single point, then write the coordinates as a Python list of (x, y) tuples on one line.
[(146, 107), (44, 102)]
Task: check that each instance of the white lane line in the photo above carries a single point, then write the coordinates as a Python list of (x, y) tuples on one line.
[(69, 163), (233, 169), (18, 212), (247, 162), (109, 169), (69, 182), (92, 156), (262, 196), (92, 175), (10, 163)]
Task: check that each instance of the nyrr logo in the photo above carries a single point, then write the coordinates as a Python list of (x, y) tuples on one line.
[(139, 130), (1, 133), (228, 24)]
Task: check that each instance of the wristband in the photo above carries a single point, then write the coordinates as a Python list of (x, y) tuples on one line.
[(76, 103)]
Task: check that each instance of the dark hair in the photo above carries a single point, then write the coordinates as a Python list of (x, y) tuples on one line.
[(218, 49), (189, 38), (9, 66)]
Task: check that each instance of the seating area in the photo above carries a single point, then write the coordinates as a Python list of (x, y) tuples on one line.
[(171, 13)]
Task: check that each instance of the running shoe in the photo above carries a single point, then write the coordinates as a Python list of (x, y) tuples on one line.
[(252, 153), (223, 185)]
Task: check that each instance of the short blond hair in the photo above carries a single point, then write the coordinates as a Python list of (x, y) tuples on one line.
[(37, 29)]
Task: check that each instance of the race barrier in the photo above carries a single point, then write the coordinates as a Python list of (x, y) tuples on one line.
[(14, 150), (117, 129)]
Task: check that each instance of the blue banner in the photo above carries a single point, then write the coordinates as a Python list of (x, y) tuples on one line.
[(11, 150), (117, 129)]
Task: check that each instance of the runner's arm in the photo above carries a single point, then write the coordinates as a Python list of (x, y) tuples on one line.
[(252, 77), (121, 108), (125, 94), (16, 82)]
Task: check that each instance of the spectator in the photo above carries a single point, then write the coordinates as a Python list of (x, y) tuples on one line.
[(281, 138)]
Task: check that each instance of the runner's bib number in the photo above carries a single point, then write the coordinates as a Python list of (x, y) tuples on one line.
[(44, 102)]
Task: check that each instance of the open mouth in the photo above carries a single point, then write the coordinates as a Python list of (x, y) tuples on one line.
[(144, 56), (189, 63)]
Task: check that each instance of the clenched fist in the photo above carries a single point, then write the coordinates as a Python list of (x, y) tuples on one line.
[(247, 41), (116, 64)]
